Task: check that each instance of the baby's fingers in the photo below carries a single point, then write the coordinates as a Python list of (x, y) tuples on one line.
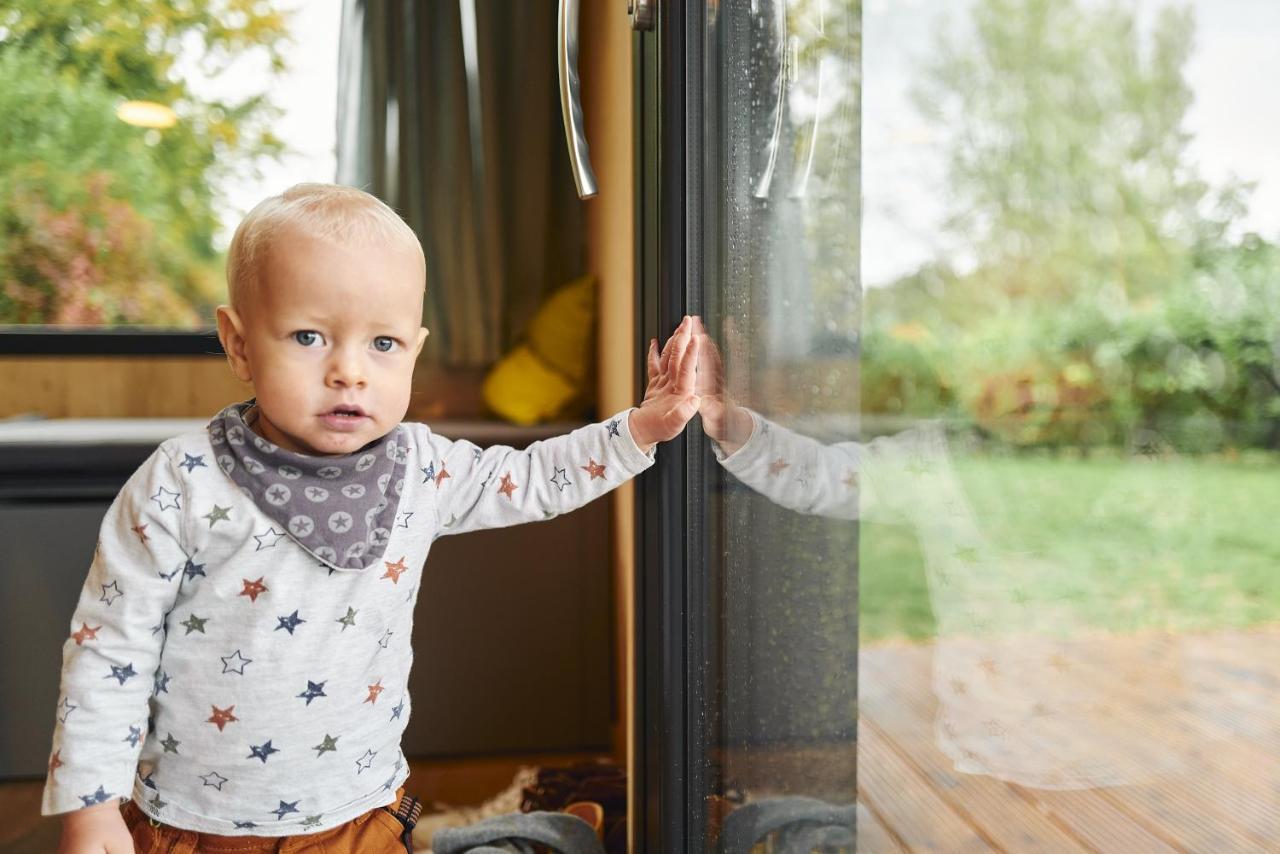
[(654, 367), (681, 342), (664, 361), (679, 415), (672, 342), (687, 369)]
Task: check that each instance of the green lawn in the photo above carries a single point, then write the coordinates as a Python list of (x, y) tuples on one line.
[(1115, 544)]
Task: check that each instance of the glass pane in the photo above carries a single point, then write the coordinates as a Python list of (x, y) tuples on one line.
[(776, 484), (135, 135), (1070, 615)]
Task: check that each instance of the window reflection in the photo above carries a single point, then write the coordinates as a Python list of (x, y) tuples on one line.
[(1068, 636), (781, 303), (1047, 480)]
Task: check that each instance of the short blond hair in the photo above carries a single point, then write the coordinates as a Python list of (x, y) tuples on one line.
[(328, 211)]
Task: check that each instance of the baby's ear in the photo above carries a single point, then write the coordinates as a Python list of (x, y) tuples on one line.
[(422, 339), (231, 334)]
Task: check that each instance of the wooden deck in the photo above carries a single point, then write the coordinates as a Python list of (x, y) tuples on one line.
[(1207, 707)]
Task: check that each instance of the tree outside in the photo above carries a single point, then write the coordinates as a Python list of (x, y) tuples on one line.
[(1111, 294), (103, 222)]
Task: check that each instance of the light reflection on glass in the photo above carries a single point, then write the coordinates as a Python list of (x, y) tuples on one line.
[(779, 386), (1048, 482)]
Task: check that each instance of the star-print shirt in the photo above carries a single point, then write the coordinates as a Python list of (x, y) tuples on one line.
[(229, 681)]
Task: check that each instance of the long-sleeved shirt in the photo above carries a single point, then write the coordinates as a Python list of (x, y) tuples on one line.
[(230, 682)]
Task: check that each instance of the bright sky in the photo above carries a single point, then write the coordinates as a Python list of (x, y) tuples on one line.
[(1234, 120), (308, 94)]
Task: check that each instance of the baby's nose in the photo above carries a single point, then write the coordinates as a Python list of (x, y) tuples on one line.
[(346, 370)]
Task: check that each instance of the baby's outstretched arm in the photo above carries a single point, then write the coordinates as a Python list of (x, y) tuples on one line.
[(473, 488), (670, 399)]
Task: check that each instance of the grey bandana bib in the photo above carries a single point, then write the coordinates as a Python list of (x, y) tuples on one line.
[(340, 509)]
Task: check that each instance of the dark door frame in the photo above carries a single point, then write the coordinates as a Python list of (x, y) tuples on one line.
[(671, 585)]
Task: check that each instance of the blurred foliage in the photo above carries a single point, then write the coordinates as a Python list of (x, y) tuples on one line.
[(102, 222), (1108, 302)]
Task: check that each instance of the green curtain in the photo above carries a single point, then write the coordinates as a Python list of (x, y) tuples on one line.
[(450, 113)]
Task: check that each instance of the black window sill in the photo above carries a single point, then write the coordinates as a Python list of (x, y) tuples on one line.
[(117, 341)]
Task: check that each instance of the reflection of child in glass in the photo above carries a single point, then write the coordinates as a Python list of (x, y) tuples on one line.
[(239, 656), (793, 470), (841, 480)]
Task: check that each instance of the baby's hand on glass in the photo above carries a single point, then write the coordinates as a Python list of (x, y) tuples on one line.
[(670, 399), (727, 423)]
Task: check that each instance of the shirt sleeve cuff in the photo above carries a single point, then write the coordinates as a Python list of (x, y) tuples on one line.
[(635, 459), (747, 448)]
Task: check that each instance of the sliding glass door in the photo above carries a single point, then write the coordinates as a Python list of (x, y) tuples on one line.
[(981, 500), (748, 583)]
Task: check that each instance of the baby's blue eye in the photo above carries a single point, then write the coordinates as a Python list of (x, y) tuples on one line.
[(306, 337), (384, 344)]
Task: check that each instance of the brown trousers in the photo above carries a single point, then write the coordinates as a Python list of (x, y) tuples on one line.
[(376, 832)]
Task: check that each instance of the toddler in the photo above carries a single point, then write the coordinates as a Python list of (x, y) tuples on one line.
[(239, 655)]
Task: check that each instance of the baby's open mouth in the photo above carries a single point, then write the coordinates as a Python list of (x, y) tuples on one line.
[(347, 412)]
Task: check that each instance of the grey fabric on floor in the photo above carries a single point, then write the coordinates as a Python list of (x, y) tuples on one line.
[(514, 833), (805, 823), (807, 838)]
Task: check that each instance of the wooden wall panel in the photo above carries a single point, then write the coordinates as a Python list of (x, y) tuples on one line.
[(605, 67), (117, 386)]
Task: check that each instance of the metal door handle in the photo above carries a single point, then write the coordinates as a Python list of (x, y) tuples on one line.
[(771, 148), (571, 98)]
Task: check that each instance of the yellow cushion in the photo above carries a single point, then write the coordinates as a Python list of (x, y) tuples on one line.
[(524, 390), (562, 332)]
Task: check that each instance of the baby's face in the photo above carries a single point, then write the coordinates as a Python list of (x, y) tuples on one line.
[(330, 339)]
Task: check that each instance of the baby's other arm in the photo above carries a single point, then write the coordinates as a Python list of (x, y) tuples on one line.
[(110, 659), (94, 830)]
